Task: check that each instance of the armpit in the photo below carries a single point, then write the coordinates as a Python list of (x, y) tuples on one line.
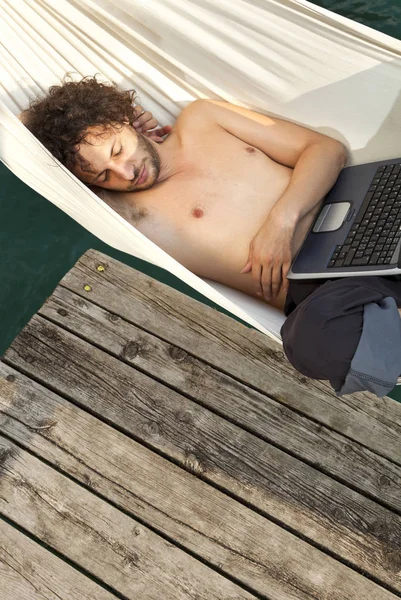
[(134, 215)]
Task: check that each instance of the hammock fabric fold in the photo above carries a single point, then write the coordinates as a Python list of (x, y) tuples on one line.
[(289, 58)]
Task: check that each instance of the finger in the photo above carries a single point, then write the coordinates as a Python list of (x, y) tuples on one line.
[(286, 281), (156, 138), (138, 110), (145, 120), (161, 131), (286, 285), (256, 276), (266, 283), (149, 124), (247, 268), (285, 268), (276, 281)]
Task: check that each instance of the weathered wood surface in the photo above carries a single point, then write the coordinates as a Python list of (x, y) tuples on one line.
[(184, 508), (29, 572), (110, 545), (245, 354), (258, 413), (159, 417)]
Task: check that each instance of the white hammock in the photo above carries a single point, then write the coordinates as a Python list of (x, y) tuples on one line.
[(289, 58)]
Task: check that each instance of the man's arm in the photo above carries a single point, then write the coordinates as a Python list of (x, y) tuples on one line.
[(316, 158)]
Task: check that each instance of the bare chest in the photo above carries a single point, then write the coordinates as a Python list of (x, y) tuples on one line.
[(228, 189)]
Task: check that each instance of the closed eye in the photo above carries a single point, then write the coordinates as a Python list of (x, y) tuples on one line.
[(105, 178), (119, 152)]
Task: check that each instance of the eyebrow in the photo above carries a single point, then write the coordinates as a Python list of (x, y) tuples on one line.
[(101, 172)]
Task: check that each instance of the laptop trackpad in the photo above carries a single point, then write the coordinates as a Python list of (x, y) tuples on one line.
[(331, 217)]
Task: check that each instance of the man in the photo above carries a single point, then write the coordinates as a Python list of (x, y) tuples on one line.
[(230, 193)]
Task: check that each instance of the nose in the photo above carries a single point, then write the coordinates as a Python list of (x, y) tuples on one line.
[(124, 170)]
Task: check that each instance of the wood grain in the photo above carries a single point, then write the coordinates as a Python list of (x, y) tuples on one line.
[(104, 541), (319, 446), (238, 541), (245, 354), (29, 572), (248, 468)]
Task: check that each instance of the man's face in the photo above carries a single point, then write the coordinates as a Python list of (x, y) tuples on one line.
[(118, 159)]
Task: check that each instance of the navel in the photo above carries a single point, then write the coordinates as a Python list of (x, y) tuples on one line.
[(250, 149), (198, 213)]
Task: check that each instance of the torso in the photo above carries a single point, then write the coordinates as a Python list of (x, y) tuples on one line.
[(206, 215)]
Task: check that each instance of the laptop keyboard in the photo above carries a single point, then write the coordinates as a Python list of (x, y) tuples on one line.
[(375, 232)]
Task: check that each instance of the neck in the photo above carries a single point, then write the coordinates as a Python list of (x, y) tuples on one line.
[(170, 157)]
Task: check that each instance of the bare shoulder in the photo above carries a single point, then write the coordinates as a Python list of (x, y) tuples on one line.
[(198, 112), (218, 112)]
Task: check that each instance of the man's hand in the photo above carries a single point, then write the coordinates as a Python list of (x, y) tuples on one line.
[(270, 256), (146, 124)]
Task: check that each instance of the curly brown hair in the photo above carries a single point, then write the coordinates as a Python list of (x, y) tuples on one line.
[(61, 118)]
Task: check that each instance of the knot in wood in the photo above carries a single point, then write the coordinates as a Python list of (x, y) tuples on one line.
[(177, 353), (113, 318), (385, 481), (338, 514), (381, 530), (62, 312), (131, 350), (393, 560), (275, 354), (193, 464), (131, 559), (5, 454), (29, 359), (184, 416), (80, 303), (10, 378), (152, 428)]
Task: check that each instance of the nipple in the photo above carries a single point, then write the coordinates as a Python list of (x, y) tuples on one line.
[(250, 149), (198, 213)]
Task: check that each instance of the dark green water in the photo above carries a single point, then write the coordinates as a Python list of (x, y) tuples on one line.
[(40, 243)]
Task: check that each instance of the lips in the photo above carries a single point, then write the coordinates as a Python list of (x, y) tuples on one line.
[(142, 176)]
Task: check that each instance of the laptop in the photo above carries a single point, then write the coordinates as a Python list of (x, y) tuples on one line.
[(358, 229)]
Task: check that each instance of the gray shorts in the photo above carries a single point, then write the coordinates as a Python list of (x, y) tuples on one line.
[(347, 331)]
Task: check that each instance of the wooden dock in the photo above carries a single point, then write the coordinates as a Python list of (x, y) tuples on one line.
[(153, 448)]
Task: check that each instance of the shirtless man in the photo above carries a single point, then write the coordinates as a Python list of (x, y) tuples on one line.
[(230, 194)]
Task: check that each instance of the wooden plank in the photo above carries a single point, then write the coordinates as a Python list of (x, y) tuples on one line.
[(210, 524), (318, 507), (319, 446), (245, 354), (115, 548), (29, 572)]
